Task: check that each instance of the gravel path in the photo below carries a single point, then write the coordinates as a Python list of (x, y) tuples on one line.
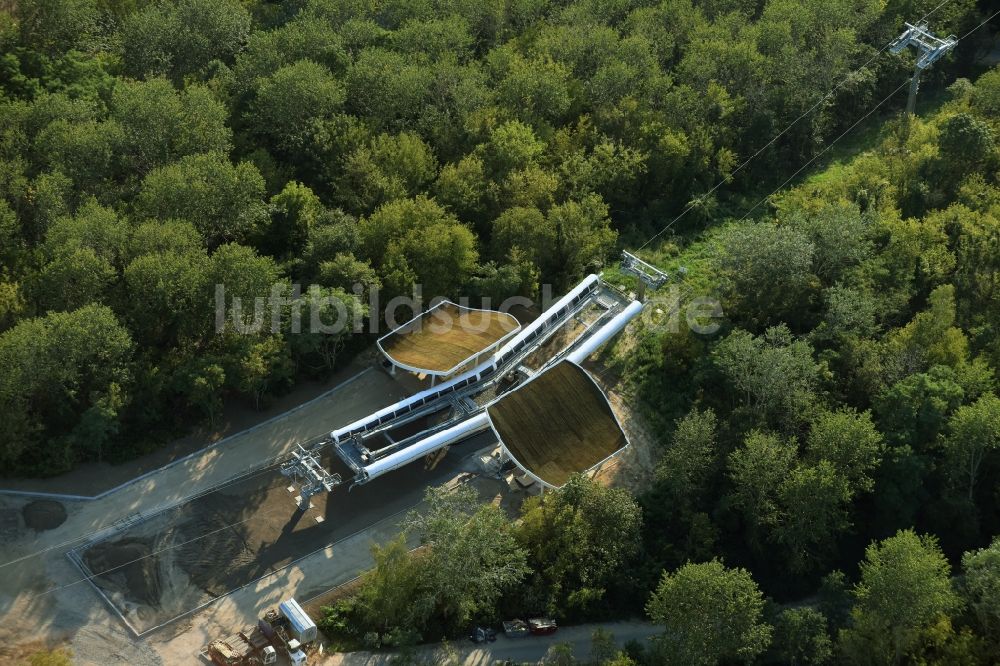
[(90, 479)]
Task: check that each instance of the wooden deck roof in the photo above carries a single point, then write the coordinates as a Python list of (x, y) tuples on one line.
[(557, 424), (443, 339)]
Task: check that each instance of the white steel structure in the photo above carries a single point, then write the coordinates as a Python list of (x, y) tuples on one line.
[(605, 333), (480, 420), (438, 440), (648, 274), (930, 49), (456, 408), (305, 465)]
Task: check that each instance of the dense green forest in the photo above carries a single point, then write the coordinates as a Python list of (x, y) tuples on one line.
[(150, 150), (828, 484)]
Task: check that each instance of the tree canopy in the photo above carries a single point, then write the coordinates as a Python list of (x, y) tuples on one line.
[(710, 614), (176, 174)]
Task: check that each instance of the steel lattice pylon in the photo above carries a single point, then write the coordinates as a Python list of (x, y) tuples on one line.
[(930, 50), (648, 274), (305, 465)]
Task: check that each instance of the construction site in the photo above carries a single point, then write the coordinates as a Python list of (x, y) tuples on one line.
[(497, 401), (169, 564)]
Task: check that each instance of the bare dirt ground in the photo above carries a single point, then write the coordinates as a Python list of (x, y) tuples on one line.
[(183, 558), (634, 467), (42, 598)]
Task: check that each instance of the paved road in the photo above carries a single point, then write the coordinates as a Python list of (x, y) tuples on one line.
[(236, 421), (531, 649)]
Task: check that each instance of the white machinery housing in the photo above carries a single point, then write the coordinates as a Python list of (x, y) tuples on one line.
[(455, 409)]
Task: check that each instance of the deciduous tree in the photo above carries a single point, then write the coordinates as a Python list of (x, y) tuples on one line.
[(181, 38), (851, 442), (294, 212), (813, 502), (73, 279), (710, 614), (973, 437), (801, 637), (52, 370), (328, 318), (981, 588), (159, 124), (688, 464), (224, 201), (773, 375), (267, 364), (416, 241), (390, 167), (578, 539), (757, 469), (167, 297), (291, 101), (93, 227), (905, 589), (474, 557), (766, 271), (583, 238)]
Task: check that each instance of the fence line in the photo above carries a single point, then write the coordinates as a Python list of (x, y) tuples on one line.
[(75, 556)]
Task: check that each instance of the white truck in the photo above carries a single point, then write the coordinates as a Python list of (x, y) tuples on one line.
[(278, 638), (300, 625)]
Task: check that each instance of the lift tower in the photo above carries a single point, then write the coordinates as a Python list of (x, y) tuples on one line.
[(648, 274), (930, 49), (307, 467)]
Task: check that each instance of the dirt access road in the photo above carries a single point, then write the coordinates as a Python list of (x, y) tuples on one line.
[(41, 599), (214, 544)]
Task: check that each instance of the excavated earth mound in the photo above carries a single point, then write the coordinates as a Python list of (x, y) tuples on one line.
[(44, 515)]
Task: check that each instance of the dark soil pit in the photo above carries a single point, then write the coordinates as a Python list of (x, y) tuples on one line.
[(219, 516), (42, 515), (160, 568), (128, 562)]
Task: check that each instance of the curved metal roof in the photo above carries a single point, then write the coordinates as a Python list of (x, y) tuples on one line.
[(447, 337), (557, 424)]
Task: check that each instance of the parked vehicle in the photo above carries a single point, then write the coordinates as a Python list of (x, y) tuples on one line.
[(296, 657), (542, 626), (282, 630), (515, 628), (483, 635)]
